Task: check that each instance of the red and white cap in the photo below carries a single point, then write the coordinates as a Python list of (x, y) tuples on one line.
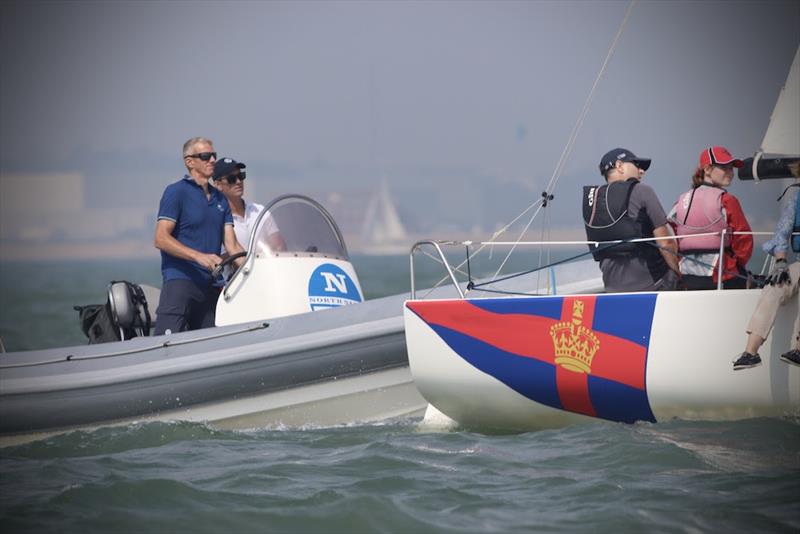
[(718, 155)]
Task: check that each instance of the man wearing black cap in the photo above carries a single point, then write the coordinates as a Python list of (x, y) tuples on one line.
[(194, 220), (623, 210), (229, 176)]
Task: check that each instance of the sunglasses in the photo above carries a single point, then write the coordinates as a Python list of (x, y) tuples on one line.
[(203, 156), (231, 178)]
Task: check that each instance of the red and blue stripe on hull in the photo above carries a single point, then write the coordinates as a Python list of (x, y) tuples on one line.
[(511, 340)]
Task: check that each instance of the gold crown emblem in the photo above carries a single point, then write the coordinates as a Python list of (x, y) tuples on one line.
[(575, 345)]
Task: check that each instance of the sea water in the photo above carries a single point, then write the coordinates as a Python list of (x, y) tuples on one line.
[(397, 476)]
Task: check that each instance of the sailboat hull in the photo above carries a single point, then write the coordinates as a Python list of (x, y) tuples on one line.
[(524, 363)]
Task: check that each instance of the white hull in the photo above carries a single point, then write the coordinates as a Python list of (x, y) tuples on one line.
[(482, 372)]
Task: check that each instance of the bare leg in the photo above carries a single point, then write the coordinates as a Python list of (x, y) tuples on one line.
[(754, 341)]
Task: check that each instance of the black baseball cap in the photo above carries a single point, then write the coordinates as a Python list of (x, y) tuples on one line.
[(622, 154), (225, 166)]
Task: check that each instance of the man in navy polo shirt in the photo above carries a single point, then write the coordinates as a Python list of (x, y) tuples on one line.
[(194, 220)]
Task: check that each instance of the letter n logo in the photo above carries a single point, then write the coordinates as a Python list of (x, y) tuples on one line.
[(337, 280)]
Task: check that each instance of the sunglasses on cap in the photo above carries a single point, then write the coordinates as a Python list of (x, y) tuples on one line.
[(231, 178), (203, 156)]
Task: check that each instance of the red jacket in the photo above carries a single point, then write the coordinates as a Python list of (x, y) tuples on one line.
[(741, 248)]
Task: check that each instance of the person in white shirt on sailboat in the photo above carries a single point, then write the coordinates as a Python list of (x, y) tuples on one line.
[(229, 176), (782, 283)]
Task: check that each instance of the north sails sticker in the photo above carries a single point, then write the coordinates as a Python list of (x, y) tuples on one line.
[(331, 287)]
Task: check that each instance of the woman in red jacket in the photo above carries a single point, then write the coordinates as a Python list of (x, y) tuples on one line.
[(700, 215)]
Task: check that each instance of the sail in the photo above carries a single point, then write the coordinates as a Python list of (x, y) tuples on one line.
[(382, 225), (783, 132)]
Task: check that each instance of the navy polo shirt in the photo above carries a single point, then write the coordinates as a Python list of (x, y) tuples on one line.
[(199, 224)]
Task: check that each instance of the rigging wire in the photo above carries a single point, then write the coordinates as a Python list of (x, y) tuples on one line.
[(547, 193), (519, 238), (559, 169), (497, 234), (587, 104), (544, 236)]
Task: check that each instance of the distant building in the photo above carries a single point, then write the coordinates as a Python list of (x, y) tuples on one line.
[(44, 215), (32, 204)]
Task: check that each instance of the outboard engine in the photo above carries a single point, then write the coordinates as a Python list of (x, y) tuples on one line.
[(132, 308), (296, 262), (128, 312)]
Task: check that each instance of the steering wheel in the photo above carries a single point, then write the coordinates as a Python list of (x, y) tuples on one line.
[(227, 261)]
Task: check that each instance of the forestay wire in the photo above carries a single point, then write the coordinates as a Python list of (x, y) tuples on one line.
[(573, 136), (547, 194)]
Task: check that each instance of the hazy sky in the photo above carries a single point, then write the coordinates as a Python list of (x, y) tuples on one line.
[(344, 91)]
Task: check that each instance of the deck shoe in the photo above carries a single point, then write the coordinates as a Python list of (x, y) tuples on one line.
[(746, 361), (792, 357)]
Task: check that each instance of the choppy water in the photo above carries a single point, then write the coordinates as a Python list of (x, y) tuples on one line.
[(678, 476), (672, 477)]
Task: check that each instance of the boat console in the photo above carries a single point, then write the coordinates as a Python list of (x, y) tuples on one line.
[(296, 262)]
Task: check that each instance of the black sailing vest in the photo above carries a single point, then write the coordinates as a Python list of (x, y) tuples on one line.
[(606, 218)]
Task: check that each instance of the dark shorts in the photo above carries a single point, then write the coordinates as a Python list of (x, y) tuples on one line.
[(185, 306)]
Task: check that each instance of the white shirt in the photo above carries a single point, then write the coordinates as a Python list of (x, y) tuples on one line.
[(243, 226)]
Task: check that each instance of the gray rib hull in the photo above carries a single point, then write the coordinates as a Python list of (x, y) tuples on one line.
[(329, 367), (226, 373)]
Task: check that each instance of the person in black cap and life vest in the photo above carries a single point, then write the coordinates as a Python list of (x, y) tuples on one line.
[(700, 214), (624, 209), (782, 285)]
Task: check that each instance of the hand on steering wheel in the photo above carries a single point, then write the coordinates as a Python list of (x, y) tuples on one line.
[(227, 261)]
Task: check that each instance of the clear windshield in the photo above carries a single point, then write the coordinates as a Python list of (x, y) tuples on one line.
[(298, 225)]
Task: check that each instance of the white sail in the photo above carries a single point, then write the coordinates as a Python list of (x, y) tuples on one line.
[(382, 225), (783, 132)]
